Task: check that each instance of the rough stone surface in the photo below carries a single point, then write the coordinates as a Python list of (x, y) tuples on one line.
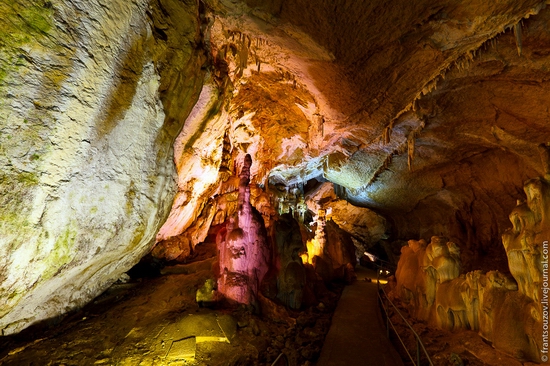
[(183, 349), (291, 277), (244, 253), (86, 135)]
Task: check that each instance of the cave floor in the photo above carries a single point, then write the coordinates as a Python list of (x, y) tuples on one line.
[(130, 324), (358, 336), (146, 322), (446, 347), (142, 323)]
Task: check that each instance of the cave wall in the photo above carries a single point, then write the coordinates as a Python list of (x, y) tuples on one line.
[(491, 107), (87, 121), (392, 53)]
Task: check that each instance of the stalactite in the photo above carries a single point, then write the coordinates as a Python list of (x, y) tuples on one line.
[(415, 105), (401, 149), (517, 32), (243, 57), (227, 158), (387, 133), (410, 151)]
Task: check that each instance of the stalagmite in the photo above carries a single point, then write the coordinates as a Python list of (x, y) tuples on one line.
[(244, 254), (292, 277), (506, 311)]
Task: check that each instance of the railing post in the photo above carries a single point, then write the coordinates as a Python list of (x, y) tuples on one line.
[(387, 319), (417, 351)]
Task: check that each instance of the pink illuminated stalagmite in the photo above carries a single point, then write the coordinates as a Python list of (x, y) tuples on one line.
[(244, 252)]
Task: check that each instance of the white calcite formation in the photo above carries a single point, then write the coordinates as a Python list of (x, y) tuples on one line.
[(86, 159)]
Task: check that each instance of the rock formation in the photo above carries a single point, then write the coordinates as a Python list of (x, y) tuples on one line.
[(291, 277), (244, 254), (506, 311), (331, 251), (113, 111), (489, 303), (363, 224)]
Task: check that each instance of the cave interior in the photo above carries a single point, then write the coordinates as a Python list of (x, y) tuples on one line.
[(198, 181)]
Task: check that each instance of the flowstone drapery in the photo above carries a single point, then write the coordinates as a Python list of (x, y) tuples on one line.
[(506, 310)]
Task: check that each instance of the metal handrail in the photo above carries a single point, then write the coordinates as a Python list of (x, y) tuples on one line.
[(419, 344), (282, 357), (386, 265)]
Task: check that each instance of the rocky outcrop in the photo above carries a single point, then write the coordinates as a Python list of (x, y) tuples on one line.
[(490, 303), (87, 121), (526, 243)]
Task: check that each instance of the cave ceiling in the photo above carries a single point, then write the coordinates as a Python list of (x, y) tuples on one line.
[(429, 113)]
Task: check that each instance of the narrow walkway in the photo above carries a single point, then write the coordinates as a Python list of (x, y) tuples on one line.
[(357, 336)]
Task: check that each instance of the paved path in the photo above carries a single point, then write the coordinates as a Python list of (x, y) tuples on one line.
[(357, 335)]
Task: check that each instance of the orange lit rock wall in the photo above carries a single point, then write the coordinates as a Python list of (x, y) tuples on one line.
[(506, 310)]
